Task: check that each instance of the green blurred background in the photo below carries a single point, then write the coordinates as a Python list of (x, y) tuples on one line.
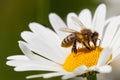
[(15, 15)]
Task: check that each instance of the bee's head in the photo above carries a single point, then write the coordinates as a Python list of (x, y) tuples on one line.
[(94, 37)]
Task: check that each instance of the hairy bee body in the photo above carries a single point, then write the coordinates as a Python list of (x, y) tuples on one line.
[(84, 36), (69, 40)]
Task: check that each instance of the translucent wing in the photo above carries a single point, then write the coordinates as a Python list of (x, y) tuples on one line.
[(78, 22), (68, 30)]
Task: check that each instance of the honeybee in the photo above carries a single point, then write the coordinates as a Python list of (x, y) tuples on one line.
[(84, 37)]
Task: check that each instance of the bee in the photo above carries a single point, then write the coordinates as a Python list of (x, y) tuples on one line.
[(84, 37)]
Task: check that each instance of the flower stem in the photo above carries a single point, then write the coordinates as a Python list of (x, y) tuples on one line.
[(92, 77)]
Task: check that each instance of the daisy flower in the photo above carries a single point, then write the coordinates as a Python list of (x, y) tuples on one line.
[(43, 52)]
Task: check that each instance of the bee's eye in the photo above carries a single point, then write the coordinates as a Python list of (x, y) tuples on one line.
[(92, 35)]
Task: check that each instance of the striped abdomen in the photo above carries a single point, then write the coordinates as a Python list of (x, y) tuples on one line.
[(69, 40)]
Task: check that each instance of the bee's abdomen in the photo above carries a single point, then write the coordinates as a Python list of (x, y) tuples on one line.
[(68, 41)]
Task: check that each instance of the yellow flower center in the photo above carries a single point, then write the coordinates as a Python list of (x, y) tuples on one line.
[(82, 57)]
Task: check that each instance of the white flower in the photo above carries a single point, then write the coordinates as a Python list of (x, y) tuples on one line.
[(43, 52)]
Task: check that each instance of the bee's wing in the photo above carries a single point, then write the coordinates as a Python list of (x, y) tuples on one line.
[(78, 22), (68, 30)]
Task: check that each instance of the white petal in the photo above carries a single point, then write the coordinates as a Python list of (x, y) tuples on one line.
[(70, 22), (110, 33), (54, 75), (57, 23), (25, 65), (104, 69), (37, 68), (41, 64), (78, 71), (33, 62), (105, 55), (39, 46), (99, 19), (47, 75), (28, 65), (116, 44), (50, 38), (20, 63), (45, 34), (27, 52), (34, 76), (115, 39), (18, 57), (107, 22), (86, 18)]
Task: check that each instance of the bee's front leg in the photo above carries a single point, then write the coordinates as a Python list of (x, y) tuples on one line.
[(74, 48), (87, 45)]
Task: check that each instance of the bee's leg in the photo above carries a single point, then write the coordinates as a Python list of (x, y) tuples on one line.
[(87, 45), (95, 42), (94, 45), (74, 49)]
